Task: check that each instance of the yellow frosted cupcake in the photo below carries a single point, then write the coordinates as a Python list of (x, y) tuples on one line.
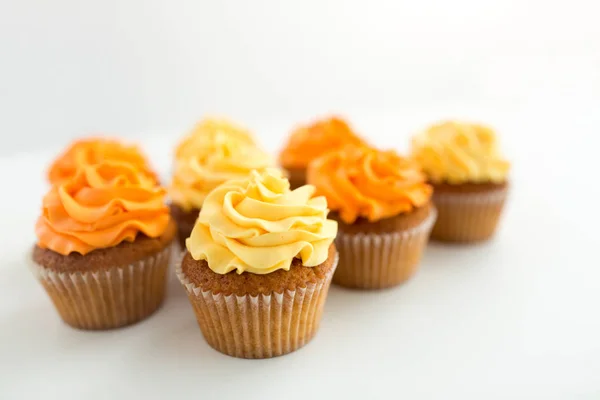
[(312, 141), (208, 158), (469, 177), (259, 264)]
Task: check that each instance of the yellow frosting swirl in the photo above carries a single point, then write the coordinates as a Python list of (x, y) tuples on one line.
[(208, 130), (259, 225), (456, 152), (218, 159)]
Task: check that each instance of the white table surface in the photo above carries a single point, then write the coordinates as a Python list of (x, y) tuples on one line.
[(513, 318)]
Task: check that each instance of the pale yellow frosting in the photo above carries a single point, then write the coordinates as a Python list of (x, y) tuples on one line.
[(456, 152), (218, 158), (259, 225), (210, 129)]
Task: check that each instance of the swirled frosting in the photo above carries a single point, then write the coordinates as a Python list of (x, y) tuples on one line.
[(259, 225), (368, 183), (93, 151), (456, 152), (217, 159), (210, 129), (101, 206), (311, 141)]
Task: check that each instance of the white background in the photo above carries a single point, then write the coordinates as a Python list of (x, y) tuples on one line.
[(71, 67), (513, 318)]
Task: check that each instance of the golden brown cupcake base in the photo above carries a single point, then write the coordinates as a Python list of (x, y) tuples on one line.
[(107, 288), (185, 222), (297, 177), (468, 187), (397, 223), (258, 316), (102, 259), (383, 254), (468, 212)]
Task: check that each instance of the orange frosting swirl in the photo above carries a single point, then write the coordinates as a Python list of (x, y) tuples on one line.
[(93, 151), (369, 183), (311, 141), (101, 206)]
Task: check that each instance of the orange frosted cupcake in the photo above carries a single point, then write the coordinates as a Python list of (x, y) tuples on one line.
[(92, 151), (311, 141), (469, 177), (104, 241), (205, 164), (383, 206), (258, 265)]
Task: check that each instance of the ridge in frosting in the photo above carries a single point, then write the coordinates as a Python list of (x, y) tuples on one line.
[(259, 225), (93, 151), (101, 206), (313, 140), (458, 152), (211, 130), (368, 183), (217, 159)]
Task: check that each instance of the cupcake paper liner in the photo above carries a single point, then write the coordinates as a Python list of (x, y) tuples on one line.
[(381, 260), (467, 217), (261, 326), (107, 298)]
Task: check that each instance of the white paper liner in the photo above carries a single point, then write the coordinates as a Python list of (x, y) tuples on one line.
[(262, 326), (495, 196), (381, 260), (468, 217), (108, 298)]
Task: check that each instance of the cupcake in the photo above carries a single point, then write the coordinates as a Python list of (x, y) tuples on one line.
[(469, 177), (383, 208), (92, 151), (104, 241), (258, 265), (311, 141), (215, 159)]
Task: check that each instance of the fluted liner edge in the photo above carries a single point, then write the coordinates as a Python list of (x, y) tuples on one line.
[(261, 326), (107, 298), (381, 260)]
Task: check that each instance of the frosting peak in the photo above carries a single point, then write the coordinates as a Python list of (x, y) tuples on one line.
[(311, 141), (456, 152), (101, 206), (93, 151), (259, 225), (365, 182), (212, 130)]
